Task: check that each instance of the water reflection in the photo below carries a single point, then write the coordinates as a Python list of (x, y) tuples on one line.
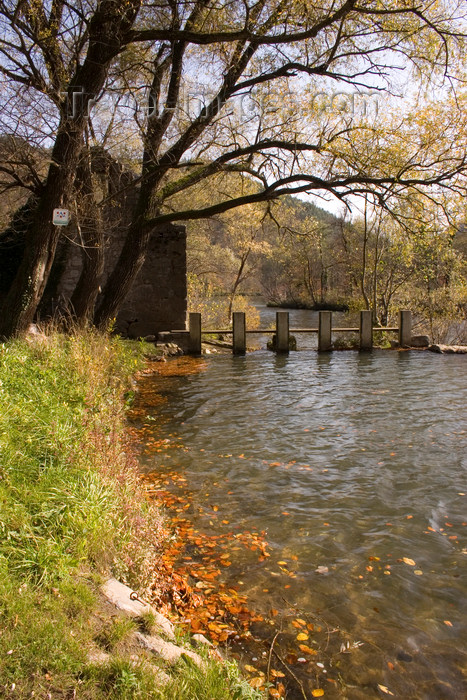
[(355, 465)]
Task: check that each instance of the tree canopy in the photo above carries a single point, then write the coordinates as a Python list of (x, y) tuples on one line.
[(296, 97)]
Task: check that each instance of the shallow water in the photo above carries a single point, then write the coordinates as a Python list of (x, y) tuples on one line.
[(355, 466)]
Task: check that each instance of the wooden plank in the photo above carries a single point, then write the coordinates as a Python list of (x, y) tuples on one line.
[(194, 346), (366, 330), (325, 331), (239, 336), (282, 331)]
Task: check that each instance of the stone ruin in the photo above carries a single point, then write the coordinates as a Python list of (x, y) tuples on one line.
[(158, 298)]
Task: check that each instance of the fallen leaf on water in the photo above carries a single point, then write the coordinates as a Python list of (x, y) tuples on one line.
[(302, 636), (410, 562), (307, 650), (298, 623), (390, 666), (276, 674), (418, 572), (448, 623), (291, 658), (322, 570), (317, 693), (384, 689)]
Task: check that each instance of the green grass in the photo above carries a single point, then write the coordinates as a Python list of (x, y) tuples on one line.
[(72, 512), (214, 682)]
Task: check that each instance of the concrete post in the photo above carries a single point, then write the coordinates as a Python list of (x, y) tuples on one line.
[(366, 330), (405, 328), (239, 333), (282, 331), (325, 331), (194, 324)]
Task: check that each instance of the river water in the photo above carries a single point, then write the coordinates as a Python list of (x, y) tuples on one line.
[(354, 465)]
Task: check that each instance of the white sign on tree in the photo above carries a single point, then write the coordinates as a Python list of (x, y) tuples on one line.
[(61, 217)]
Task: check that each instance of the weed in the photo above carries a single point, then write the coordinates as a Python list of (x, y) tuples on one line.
[(118, 631)]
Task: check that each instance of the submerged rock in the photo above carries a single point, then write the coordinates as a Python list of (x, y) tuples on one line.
[(449, 349)]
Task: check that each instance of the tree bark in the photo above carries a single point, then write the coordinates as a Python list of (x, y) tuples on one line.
[(107, 35), (84, 297), (128, 265)]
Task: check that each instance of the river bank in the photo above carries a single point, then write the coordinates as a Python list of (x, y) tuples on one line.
[(73, 512)]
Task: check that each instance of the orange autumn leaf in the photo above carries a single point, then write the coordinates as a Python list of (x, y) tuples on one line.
[(302, 636), (299, 623), (256, 682), (307, 650), (317, 693), (276, 674)]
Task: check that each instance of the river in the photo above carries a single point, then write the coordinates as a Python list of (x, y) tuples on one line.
[(354, 465)]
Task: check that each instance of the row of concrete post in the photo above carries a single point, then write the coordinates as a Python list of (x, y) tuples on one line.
[(282, 331)]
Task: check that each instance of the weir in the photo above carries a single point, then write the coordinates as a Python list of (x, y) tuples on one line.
[(283, 332)]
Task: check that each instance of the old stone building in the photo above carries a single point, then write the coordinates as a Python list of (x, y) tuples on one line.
[(158, 299)]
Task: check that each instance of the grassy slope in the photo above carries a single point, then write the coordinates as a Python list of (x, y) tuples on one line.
[(71, 511)]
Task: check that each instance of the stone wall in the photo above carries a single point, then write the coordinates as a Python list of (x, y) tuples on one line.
[(157, 301)]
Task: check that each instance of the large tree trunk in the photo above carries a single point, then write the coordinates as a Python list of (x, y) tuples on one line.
[(85, 294), (123, 275), (42, 237), (107, 29)]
